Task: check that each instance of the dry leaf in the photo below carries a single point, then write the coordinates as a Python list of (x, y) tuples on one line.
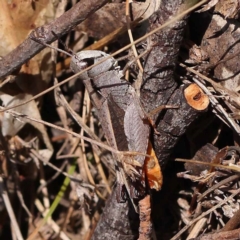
[(153, 170)]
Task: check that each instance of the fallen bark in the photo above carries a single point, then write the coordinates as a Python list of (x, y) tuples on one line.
[(159, 65), (233, 222)]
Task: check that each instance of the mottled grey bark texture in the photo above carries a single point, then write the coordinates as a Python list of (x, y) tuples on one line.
[(159, 82), (173, 125), (118, 221), (158, 78)]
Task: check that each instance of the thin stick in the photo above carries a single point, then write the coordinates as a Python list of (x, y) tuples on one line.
[(36, 154), (99, 164), (11, 214), (145, 227), (46, 183), (128, 21), (85, 162), (234, 168)]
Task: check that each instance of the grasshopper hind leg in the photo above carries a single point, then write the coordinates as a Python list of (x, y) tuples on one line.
[(124, 189)]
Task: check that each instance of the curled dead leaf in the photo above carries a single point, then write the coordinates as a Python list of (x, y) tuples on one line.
[(153, 170)]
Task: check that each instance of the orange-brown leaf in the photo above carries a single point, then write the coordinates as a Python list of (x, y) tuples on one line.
[(153, 170)]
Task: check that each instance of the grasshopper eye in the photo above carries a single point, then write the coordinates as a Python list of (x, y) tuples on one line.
[(84, 63), (79, 63)]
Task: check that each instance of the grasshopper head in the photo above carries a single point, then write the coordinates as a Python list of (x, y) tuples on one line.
[(84, 59)]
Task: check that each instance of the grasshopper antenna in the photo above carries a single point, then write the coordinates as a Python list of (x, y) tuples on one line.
[(38, 40), (69, 50)]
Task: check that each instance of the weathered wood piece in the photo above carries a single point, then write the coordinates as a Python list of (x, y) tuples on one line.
[(192, 102)]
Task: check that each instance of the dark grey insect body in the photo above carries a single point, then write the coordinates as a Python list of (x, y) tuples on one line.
[(119, 111)]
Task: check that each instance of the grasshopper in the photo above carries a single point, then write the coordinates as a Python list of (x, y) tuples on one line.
[(123, 121), (121, 116)]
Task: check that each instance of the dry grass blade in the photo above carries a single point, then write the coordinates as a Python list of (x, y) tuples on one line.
[(10, 211), (232, 167), (131, 36), (197, 228), (217, 185)]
